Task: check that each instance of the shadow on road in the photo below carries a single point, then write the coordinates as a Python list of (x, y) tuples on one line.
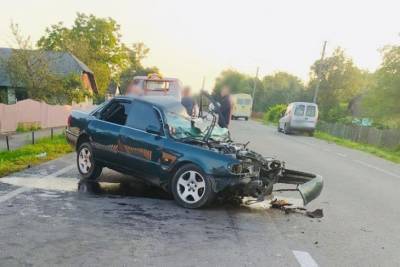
[(123, 189), (137, 188)]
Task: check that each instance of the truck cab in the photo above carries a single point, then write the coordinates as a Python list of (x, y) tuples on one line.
[(155, 85)]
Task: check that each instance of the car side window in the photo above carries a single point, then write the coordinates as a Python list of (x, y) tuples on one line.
[(143, 115), (115, 112)]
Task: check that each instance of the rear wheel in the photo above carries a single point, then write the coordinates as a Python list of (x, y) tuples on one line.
[(286, 129), (246, 118), (87, 166), (191, 188)]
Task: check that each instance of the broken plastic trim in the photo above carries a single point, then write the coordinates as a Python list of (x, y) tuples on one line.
[(309, 185)]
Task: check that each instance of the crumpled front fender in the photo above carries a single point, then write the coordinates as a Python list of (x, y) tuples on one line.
[(309, 185)]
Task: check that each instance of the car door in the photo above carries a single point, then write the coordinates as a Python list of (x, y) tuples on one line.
[(105, 128), (285, 117), (142, 141), (311, 115)]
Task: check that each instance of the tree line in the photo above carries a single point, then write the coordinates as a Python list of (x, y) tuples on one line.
[(346, 92)]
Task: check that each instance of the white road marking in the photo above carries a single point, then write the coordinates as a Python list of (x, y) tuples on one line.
[(14, 193), (26, 189), (341, 155), (304, 259), (377, 168)]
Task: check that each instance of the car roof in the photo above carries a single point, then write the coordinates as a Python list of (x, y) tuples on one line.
[(164, 102)]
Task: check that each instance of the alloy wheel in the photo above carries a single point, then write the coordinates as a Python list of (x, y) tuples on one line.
[(85, 160), (191, 186)]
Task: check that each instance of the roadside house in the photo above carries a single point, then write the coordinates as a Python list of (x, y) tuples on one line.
[(60, 64)]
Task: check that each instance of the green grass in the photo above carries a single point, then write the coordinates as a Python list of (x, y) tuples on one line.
[(392, 155), (21, 158)]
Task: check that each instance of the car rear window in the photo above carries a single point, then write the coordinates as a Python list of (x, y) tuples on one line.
[(299, 110), (244, 101), (311, 111)]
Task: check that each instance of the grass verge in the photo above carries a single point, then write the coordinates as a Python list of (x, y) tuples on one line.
[(30, 155), (392, 155)]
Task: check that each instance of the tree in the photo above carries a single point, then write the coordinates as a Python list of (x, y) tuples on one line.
[(136, 54), (340, 81), (281, 88), (237, 82), (29, 69), (382, 100), (95, 41)]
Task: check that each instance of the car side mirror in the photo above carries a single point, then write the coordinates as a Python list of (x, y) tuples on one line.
[(152, 129)]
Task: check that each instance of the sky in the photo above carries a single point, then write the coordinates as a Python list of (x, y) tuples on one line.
[(195, 39)]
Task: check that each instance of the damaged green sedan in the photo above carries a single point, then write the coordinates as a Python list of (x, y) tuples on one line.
[(152, 138)]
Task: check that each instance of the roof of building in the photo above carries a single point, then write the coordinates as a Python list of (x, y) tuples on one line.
[(60, 63)]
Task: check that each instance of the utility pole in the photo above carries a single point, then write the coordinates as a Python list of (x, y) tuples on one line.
[(203, 83), (319, 73), (254, 88)]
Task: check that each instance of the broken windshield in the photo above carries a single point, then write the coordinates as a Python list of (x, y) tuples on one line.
[(182, 126)]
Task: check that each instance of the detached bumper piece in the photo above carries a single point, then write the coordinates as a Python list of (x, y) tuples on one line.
[(309, 185)]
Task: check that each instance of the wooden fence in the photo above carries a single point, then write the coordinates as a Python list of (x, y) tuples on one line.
[(389, 138)]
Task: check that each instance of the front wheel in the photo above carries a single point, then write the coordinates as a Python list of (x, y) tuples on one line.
[(191, 188), (87, 166), (286, 129)]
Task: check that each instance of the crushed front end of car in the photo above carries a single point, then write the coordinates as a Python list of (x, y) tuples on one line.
[(255, 176)]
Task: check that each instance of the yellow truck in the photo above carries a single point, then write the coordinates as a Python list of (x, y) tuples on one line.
[(242, 106)]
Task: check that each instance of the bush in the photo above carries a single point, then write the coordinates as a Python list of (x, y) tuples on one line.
[(273, 114)]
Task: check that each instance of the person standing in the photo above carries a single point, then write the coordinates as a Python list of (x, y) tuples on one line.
[(188, 102), (226, 107), (134, 88)]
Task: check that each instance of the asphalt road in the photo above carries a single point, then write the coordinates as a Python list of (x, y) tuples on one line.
[(47, 222)]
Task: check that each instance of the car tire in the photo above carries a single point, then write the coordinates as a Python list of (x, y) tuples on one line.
[(88, 186), (87, 166), (233, 118), (246, 118), (286, 129), (191, 188)]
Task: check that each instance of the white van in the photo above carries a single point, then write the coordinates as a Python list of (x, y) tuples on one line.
[(242, 106), (300, 117)]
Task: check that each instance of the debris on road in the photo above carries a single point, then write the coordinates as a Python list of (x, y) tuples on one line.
[(279, 204), (318, 213), (287, 207)]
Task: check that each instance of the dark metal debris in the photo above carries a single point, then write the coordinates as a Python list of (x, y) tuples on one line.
[(318, 213)]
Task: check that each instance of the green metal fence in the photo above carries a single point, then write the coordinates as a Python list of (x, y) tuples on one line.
[(389, 138)]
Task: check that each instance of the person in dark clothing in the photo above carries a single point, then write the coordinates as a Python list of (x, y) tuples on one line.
[(226, 108), (188, 101)]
